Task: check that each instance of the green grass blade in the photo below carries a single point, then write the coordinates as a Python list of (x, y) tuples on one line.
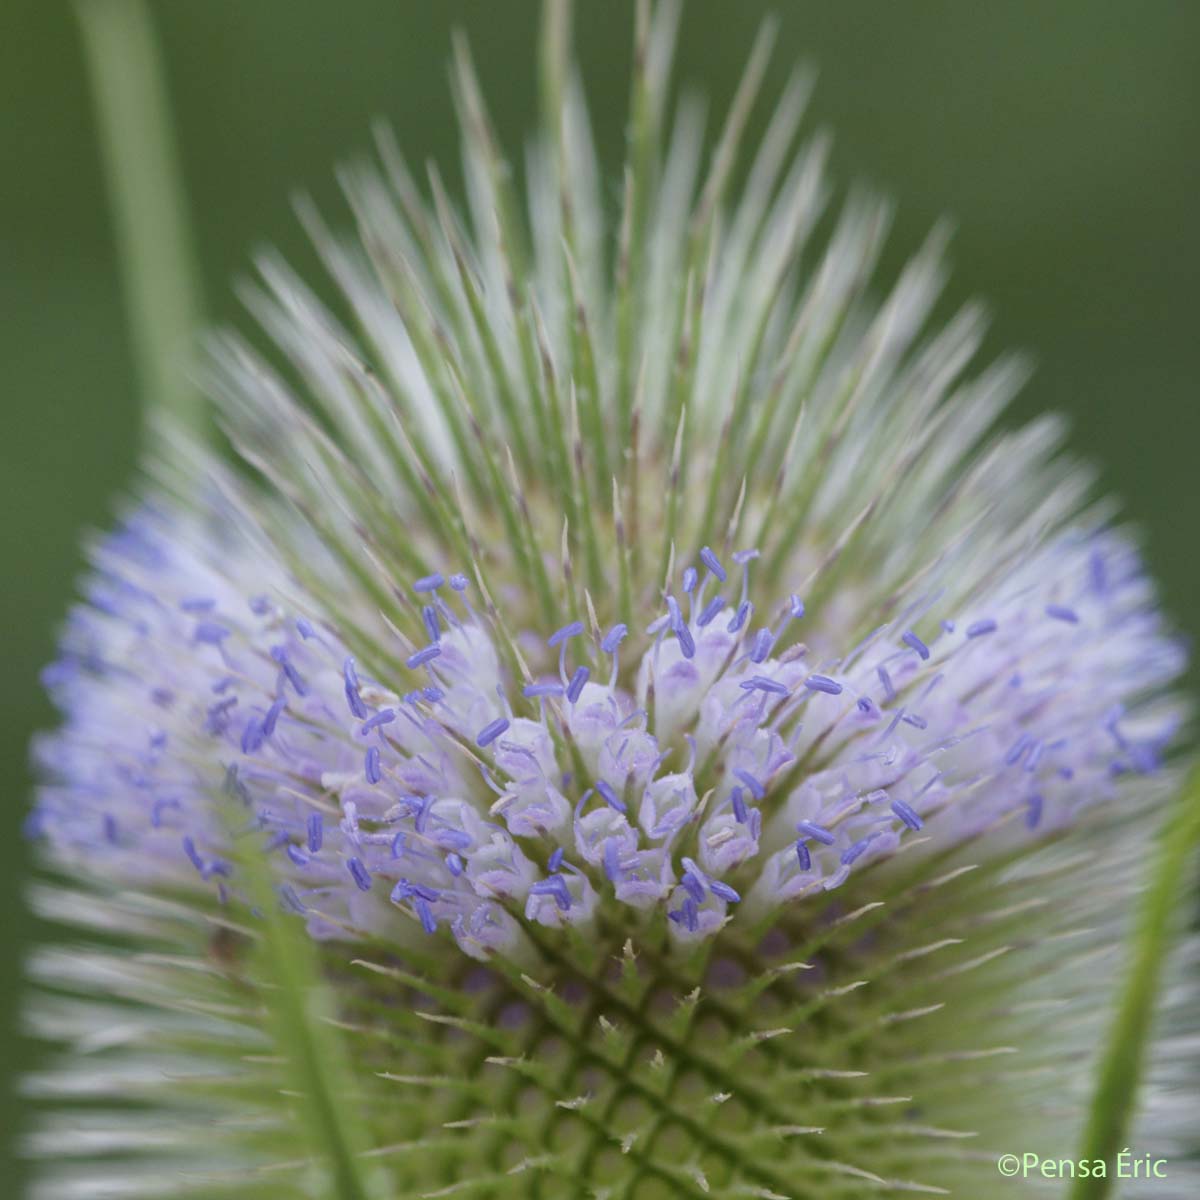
[(1114, 1100), (296, 1005), (162, 293)]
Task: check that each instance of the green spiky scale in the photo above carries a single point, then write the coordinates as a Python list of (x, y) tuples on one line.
[(852, 1035)]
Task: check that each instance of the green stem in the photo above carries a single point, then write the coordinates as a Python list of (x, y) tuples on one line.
[(1113, 1103), (296, 1007), (159, 280)]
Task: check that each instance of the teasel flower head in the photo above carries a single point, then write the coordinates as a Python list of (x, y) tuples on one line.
[(705, 754)]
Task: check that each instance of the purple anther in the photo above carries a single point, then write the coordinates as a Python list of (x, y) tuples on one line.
[(287, 894), (459, 582), (687, 643), (674, 615), (297, 856), (691, 915), (272, 717), (614, 637), (426, 915), (422, 806), (756, 788), (449, 838), (710, 560), (252, 736), (210, 633), (740, 617), (578, 679), (428, 583), (398, 846), (555, 859), (739, 806), (371, 765), (795, 606), (609, 795), (316, 832), (723, 891), (980, 628), (1017, 749), (690, 578), (822, 683), (491, 731), (694, 886), (889, 689), (760, 648), (567, 631), (760, 683), (865, 705), (1145, 758), (350, 675), (280, 655), (156, 812), (430, 618), (817, 832), (385, 716), (1060, 612), (854, 851), (612, 859), (948, 626), (710, 611), (1033, 814), (556, 886), (906, 814), (533, 690), (432, 694), (428, 654), (454, 864), (361, 875), (189, 848), (913, 642), (803, 856)]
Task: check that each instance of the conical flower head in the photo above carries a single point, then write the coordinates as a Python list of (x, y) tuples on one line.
[(706, 756)]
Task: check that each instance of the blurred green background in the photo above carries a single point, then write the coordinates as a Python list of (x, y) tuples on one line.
[(1061, 137)]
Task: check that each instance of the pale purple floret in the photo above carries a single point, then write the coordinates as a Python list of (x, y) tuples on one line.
[(461, 790)]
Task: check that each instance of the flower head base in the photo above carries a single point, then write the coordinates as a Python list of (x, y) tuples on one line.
[(643, 665)]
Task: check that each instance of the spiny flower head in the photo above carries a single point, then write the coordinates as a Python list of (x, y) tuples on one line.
[(618, 619)]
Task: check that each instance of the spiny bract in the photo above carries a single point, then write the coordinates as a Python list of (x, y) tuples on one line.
[(711, 760)]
